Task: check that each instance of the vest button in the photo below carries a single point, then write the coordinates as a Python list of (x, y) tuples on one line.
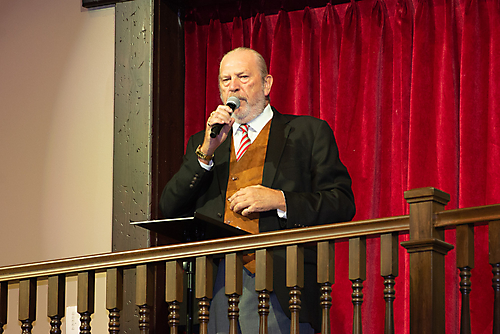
[(234, 178), (227, 222)]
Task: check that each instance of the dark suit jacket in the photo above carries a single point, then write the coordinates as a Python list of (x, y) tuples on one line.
[(303, 161)]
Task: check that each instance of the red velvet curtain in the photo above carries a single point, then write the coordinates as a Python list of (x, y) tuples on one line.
[(412, 91)]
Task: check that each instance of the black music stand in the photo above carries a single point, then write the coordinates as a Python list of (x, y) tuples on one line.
[(187, 229), (190, 229)]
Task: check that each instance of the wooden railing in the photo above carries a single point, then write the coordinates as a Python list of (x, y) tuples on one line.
[(426, 224)]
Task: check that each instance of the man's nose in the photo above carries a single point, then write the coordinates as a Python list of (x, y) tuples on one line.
[(234, 85)]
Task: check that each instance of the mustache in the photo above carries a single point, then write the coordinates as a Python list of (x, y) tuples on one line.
[(239, 97)]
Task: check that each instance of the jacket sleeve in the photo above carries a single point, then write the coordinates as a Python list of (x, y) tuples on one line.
[(181, 193), (324, 193)]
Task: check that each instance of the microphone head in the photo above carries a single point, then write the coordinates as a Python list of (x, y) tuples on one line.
[(233, 102)]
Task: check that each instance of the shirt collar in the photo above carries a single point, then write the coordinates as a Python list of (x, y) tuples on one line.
[(259, 122)]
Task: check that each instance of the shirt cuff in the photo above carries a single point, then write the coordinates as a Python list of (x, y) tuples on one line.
[(281, 213), (205, 166)]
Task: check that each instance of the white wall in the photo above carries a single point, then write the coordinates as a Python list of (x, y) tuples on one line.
[(56, 134), (56, 129)]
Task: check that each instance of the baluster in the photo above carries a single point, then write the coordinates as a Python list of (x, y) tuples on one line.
[(204, 289), (295, 282), (494, 248), (114, 298), (144, 290), (173, 293), (465, 262), (85, 299), (56, 304), (326, 277), (357, 274), (389, 263), (4, 289), (234, 288), (263, 284), (27, 304)]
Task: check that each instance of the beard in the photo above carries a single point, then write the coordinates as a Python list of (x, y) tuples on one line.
[(250, 110)]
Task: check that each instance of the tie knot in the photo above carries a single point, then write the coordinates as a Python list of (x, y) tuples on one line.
[(244, 128)]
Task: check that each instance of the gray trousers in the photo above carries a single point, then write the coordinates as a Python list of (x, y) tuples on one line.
[(278, 322)]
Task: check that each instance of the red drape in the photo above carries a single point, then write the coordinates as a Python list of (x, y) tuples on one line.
[(411, 90)]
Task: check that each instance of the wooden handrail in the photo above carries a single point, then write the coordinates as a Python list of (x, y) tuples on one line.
[(478, 214), (101, 262)]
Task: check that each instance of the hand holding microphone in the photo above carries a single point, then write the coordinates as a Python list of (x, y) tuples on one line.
[(232, 102), (215, 123)]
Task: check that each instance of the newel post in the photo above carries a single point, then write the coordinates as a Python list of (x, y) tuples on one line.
[(427, 251)]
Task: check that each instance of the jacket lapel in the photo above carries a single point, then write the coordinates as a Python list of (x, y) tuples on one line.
[(278, 136)]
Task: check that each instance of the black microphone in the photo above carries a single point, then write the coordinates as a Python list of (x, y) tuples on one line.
[(232, 102)]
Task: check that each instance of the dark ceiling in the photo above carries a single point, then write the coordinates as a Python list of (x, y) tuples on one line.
[(204, 10)]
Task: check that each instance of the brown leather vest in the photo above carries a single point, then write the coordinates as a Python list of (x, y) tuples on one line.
[(243, 173)]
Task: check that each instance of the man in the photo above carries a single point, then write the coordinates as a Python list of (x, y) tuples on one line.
[(282, 171)]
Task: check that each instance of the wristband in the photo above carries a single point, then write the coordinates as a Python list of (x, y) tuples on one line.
[(202, 155)]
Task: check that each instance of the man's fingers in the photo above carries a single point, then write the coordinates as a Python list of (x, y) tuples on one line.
[(222, 115), (239, 204), (247, 211), (237, 194)]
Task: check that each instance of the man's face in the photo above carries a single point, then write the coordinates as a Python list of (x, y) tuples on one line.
[(240, 76)]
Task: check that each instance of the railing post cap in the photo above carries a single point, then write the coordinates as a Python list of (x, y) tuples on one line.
[(427, 194)]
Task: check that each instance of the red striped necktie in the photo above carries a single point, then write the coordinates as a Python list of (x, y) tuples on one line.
[(245, 142)]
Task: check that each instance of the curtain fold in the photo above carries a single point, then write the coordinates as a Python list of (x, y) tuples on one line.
[(281, 60), (260, 38), (194, 116), (305, 69), (329, 47), (237, 37), (493, 142), (411, 90), (218, 43), (403, 44), (349, 82)]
